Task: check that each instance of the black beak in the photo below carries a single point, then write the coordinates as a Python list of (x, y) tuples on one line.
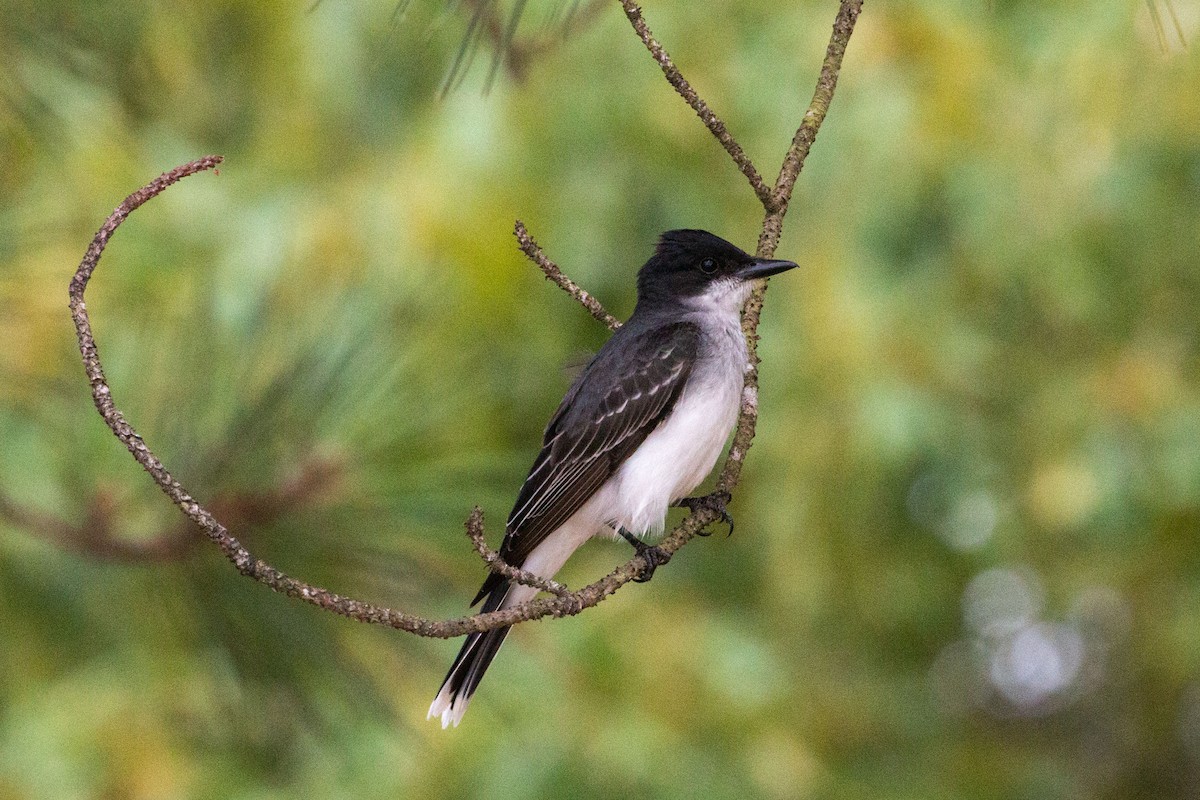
[(764, 267)]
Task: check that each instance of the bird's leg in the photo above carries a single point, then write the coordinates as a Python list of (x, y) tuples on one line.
[(715, 502), (654, 557)]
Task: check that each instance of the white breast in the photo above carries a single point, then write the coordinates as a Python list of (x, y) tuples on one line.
[(683, 449), (673, 460)]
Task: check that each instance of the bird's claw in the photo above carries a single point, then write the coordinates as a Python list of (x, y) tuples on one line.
[(717, 501), (654, 557)]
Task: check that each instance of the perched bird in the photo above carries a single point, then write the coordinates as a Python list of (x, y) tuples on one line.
[(641, 426)]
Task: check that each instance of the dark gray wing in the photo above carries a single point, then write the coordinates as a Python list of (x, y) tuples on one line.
[(614, 404)]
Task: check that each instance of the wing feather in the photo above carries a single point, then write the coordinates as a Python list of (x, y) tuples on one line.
[(612, 407)]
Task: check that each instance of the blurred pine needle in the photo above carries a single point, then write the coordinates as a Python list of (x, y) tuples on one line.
[(1160, 27)]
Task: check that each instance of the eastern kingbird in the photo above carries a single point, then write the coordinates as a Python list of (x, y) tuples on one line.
[(640, 427)]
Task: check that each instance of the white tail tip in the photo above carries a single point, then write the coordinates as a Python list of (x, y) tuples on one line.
[(449, 708)]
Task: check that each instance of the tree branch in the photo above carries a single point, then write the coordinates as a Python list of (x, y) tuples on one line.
[(564, 603), (530, 248), (806, 134), (772, 227), (685, 90)]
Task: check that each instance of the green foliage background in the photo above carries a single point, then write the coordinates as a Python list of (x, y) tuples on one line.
[(966, 563)]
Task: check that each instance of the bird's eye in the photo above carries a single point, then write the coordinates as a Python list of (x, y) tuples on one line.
[(708, 266)]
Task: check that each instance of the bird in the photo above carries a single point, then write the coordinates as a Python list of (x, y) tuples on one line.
[(641, 426)]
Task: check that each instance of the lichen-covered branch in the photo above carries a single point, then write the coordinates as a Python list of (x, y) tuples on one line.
[(564, 602), (806, 134), (530, 248), (714, 123), (775, 210)]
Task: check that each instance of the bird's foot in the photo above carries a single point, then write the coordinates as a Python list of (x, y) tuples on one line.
[(717, 501), (654, 557)]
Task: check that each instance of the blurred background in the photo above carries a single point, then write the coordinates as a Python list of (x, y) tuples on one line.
[(966, 563)]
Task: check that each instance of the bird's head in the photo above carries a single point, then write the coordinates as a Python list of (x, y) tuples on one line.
[(695, 268)]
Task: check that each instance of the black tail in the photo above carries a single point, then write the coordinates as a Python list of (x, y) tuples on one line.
[(472, 662)]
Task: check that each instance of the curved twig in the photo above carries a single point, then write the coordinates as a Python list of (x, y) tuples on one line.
[(497, 564), (564, 602), (775, 205)]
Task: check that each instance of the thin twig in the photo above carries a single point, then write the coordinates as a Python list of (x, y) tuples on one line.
[(497, 564), (806, 134), (530, 248), (685, 90), (772, 227)]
